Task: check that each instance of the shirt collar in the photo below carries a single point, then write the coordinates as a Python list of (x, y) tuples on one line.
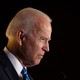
[(15, 62)]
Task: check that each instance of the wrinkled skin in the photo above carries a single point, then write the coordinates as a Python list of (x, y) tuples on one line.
[(36, 44)]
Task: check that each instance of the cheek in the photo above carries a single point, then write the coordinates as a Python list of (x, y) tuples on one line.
[(33, 51), (38, 47), (30, 48), (34, 46)]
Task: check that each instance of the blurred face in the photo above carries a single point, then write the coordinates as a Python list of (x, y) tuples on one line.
[(36, 43)]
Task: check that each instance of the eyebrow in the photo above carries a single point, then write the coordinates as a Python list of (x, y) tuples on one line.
[(47, 38)]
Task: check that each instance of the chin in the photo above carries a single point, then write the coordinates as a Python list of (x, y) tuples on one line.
[(37, 62), (32, 63)]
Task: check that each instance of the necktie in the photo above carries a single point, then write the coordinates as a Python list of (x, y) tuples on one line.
[(25, 74)]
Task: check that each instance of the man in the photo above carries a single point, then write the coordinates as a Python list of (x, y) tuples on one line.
[(28, 33)]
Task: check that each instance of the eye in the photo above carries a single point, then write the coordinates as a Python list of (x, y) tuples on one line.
[(43, 39)]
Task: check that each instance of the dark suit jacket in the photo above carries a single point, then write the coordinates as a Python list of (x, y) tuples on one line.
[(7, 71)]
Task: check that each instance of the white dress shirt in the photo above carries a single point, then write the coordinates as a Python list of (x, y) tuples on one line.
[(15, 62)]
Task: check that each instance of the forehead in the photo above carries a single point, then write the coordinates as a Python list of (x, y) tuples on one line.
[(43, 29)]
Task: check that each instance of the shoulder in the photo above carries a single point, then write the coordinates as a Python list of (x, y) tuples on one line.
[(3, 58), (2, 54)]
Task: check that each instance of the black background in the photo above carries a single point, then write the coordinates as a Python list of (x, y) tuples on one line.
[(62, 62)]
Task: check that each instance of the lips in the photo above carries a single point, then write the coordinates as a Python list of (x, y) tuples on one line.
[(41, 56)]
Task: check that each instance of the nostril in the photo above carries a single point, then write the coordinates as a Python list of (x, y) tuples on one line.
[(46, 48)]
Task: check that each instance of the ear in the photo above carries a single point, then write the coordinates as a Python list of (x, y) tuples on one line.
[(20, 36)]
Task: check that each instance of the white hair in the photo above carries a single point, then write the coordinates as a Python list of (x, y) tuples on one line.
[(25, 19)]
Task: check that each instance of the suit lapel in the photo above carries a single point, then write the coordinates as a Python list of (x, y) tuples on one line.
[(8, 67), (11, 73)]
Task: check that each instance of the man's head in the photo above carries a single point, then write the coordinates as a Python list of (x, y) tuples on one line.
[(29, 34)]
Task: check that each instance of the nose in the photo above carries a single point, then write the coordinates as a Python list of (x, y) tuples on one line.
[(46, 47)]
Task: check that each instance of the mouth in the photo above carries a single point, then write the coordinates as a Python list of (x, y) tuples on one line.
[(41, 56)]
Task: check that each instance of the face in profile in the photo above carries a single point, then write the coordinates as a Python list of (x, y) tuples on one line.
[(36, 44)]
